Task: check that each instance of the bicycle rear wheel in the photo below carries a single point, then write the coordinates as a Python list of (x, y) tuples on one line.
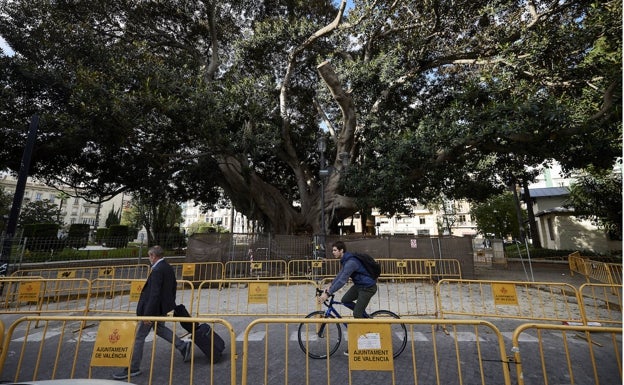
[(398, 331), (319, 340)]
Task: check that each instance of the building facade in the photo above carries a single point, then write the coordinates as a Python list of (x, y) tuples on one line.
[(73, 210)]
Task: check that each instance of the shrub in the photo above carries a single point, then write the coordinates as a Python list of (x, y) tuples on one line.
[(42, 237), (117, 236), (78, 235)]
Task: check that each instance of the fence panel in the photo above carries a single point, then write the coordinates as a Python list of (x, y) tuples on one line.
[(601, 303), (199, 271), (544, 301), (120, 296), (315, 269), (404, 296), (472, 353), (558, 354), (89, 272), (276, 269), (35, 295), (95, 347), (256, 297)]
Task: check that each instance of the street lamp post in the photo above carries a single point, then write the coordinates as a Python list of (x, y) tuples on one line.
[(323, 173)]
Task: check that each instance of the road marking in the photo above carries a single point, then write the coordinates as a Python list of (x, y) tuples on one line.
[(523, 337), (466, 337), (417, 336), (37, 337), (253, 336)]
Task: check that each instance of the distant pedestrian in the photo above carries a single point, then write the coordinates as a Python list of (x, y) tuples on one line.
[(157, 299)]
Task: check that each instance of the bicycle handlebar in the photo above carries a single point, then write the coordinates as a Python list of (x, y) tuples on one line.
[(319, 292)]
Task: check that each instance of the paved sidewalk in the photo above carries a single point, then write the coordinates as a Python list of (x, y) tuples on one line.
[(533, 272)]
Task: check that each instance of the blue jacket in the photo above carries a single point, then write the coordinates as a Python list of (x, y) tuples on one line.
[(351, 267)]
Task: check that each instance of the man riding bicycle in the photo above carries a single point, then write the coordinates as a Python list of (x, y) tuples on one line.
[(364, 285)]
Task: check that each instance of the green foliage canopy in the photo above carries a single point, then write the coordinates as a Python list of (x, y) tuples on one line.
[(598, 197), (497, 216), (183, 99), (42, 211)]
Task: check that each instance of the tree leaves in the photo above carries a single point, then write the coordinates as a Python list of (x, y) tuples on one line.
[(183, 99)]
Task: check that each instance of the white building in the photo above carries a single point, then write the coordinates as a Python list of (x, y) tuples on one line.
[(73, 210), (227, 218)]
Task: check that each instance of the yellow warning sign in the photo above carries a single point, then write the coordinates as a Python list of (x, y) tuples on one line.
[(258, 292), (29, 291), (106, 272), (188, 270), (430, 263), (401, 264), (317, 264), (135, 290), (256, 266), (66, 274), (114, 343), (370, 347), (505, 294)]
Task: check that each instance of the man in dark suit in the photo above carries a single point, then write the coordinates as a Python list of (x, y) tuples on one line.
[(157, 298)]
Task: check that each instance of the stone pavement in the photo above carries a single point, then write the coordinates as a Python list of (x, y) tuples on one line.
[(529, 272)]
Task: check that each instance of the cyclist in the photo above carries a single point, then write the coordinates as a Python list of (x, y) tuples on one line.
[(364, 286)]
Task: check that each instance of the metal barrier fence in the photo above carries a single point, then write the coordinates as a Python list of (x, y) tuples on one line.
[(544, 301), (35, 295), (256, 298), (574, 355), (472, 353), (601, 303), (538, 301), (603, 272), (406, 297), (119, 296), (89, 272), (430, 269), (276, 269), (199, 271), (437, 352), (95, 347), (315, 269), (576, 263)]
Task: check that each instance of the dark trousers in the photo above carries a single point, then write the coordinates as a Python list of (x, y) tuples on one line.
[(139, 341), (361, 296)]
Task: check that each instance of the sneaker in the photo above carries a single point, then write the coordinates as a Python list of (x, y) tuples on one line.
[(186, 352), (123, 375)]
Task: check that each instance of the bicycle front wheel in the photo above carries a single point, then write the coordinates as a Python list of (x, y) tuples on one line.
[(319, 339), (398, 331)]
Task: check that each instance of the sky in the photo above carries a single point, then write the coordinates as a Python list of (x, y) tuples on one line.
[(5, 47)]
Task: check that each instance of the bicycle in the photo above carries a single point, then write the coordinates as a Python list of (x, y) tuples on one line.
[(317, 341)]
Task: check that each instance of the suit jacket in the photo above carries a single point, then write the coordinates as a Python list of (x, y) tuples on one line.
[(158, 295)]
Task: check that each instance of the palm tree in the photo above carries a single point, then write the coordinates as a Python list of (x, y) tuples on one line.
[(63, 196)]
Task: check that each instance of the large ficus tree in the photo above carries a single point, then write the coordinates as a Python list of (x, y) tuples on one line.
[(184, 99)]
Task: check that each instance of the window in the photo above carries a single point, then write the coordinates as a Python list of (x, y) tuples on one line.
[(52, 198), (423, 232), (551, 229), (38, 196), (422, 221), (462, 218)]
